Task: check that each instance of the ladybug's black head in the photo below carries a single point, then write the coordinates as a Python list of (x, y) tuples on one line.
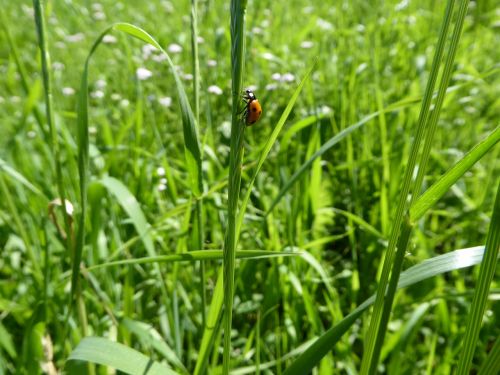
[(250, 95)]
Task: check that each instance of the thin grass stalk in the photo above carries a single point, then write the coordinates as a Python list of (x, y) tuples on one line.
[(445, 80), (407, 226), (376, 329), (196, 100), (22, 73), (417, 185), (49, 109), (235, 160), (478, 305)]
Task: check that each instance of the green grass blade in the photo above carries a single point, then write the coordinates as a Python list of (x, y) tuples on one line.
[(211, 325), (49, 110), (192, 148), (16, 176), (478, 305), (439, 265), (440, 187), (131, 206), (332, 142), (269, 144), (118, 356), (492, 364), (394, 255), (237, 9), (149, 337), (196, 255), (189, 125)]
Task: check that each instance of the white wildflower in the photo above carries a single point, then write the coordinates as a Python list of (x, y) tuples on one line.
[(165, 101), (68, 91), (143, 74), (213, 89), (174, 48)]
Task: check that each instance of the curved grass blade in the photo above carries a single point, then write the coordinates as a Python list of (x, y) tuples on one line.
[(212, 324), (492, 363), (269, 144), (15, 175), (192, 148), (478, 304), (401, 227), (150, 337), (440, 187), (129, 203), (332, 142), (112, 354), (428, 268), (196, 255)]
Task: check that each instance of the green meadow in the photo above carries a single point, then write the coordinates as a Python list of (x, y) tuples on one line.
[(146, 229)]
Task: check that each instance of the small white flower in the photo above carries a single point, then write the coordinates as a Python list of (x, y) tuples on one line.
[(100, 84), (215, 90), (163, 181), (97, 94), (174, 48), (75, 38), (257, 30), (162, 187), (97, 7), (306, 44), (268, 56), (200, 40), (56, 65), (92, 130), (323, 24), (402, 5), (211, 63), (165, 101), (147, 50), (287, 77), (143, 74), (124, 103), (160, 171), (225, 129), (15, 99), (271, 87), (109, 39), (276, 76), (31, 134), (187, 76), (115, 97), (159, 58), (68, 91), (99, 16)]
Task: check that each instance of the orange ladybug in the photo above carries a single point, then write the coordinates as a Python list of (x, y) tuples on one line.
[(252, 110)]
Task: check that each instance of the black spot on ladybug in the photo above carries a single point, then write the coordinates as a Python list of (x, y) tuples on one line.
[(254, 109)]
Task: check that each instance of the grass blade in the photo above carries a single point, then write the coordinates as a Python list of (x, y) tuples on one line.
[(440, 187), (402, 227), (112, 354), (441, 264), (269, 144), (478, 305), (196, 255), (492, 363), (238, 8)]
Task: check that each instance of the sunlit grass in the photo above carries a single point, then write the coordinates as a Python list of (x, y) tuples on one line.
[(169, 187)]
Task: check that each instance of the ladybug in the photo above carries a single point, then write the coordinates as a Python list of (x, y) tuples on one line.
[(252, 110)]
